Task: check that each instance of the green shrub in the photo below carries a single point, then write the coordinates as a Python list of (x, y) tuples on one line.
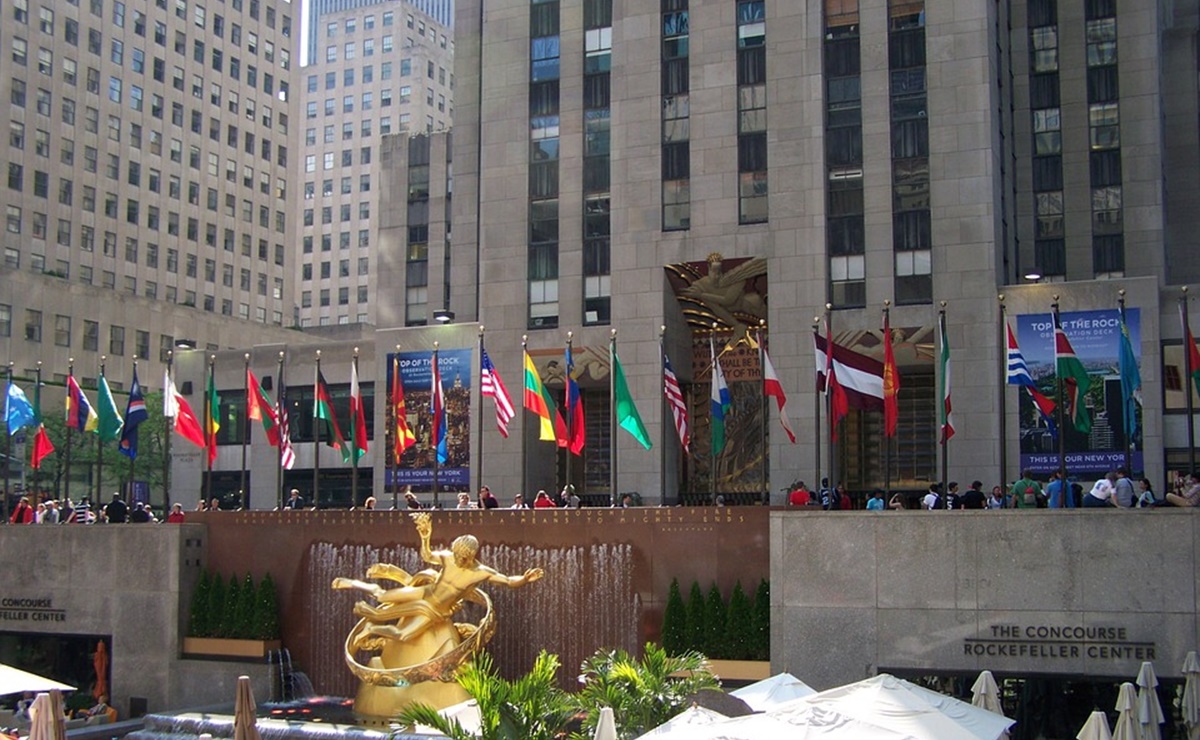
[(198, 614), (243, 616), (266, 612), (229, 612), (739, 625), (696, 633), (674, 626), (216, 607), (761, 632), (714, 624)]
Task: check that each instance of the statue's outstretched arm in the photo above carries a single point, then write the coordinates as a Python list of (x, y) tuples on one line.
[(528, 576), (425, 529)]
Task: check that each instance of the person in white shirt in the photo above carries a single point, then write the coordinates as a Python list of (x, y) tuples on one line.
[(1103, 493)]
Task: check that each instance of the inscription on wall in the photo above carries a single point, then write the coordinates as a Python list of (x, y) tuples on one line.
[(1053, 641), (15, 609)]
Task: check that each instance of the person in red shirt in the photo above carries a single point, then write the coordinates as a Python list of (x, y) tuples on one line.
[(23, 514), (176, 515), (799, 496), (543, 501)]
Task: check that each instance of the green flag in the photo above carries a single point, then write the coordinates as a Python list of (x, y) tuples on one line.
[(627, 413), (1074, 378), (110, 418)]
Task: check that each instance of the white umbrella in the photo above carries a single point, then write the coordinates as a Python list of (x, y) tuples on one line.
[(908, 709), (765, 695), (1127, 725), (1150, 714), (41, 718), (1096, 728), (16, 681), (985, 694), (687, 723), (245, 723), (1191, 694), (796, 720), (606, 726)]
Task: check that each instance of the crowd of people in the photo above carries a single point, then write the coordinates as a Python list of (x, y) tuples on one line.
[(53, 511), (1116, 489)]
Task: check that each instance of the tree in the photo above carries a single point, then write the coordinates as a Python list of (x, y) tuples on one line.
[(244, 610), (674, 625), (216, 606), (642, 694), (695, 617), (531, 707), (229, 612), (266, 614), (714, 624), (761, 641), (198, 616), (739, 625)]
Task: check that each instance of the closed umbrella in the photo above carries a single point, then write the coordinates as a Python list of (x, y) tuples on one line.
[(245, 724), (41, 721), (100, 664), (1096, 728), (985, 694), (1127, 723), (1150, 714), (606, 726), (1191, 694)]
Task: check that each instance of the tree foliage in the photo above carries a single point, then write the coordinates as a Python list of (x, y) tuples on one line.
[(761, 629), (531, 706), (714, 623), (243, 610), (696, 633), (266, 614), (198, 616), (674, 626), (643, 694), (739, 625)]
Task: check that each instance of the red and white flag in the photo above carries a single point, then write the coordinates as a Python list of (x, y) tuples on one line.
[(859, 375), (674, 394), (773, 388), (491, 386)]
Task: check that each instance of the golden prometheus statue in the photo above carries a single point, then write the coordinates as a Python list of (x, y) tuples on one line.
[(410, 631)]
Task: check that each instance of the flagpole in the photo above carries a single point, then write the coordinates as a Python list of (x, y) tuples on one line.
[(829, 398), (887, 441), (765, 412), (570, 414), (167, 403), (354, 440), (279, 401), (524, 435), (37, 395), (99, 446), (7, 439), (70, 374), (433, 369), (942, 403), (129, 483), (712, 451), (1058, 393), (662, 419), (1002, 384), (1125, 408), (208, 422), (612, 418), (1187, 376), (816, 414), (245, 430), (317, 437), (479, 415), (395, 433)]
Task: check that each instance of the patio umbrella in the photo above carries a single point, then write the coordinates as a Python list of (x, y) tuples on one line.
[(16, 681), (606, 726), (686, 724), (985, 694), (765, 695), (1191, 694), (245, 724), (1127, 724), (41, 720), (100, 664), (1150, 714), (1096, 728), (796, 720), (58, 711)]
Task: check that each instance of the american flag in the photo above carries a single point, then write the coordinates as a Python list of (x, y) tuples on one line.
[(287, 456), (675, 401), (491, 385)]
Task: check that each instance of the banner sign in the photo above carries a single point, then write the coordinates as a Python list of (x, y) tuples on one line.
[(417, 464), (1096, 338)]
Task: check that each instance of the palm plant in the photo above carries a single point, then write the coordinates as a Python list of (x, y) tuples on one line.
[(530, 707), (642, 694)]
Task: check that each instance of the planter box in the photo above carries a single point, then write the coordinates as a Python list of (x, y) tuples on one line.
[(216, 647), (741, 670)]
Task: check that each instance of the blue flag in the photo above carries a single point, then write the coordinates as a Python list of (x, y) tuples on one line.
[(17, 410), (437, 408), (720, 402), (1131, 383), (135, 413)]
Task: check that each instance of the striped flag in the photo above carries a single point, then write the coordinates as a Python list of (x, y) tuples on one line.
[(287, 455), (1018, 371), (1075, 380), (177, 408), (135, 414), (1190, 348), (947, 417), (773, 388), (80, 414), (491, 386), (720, 402), (538, 400), (437, 408), (674, 395), (404, 437)]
